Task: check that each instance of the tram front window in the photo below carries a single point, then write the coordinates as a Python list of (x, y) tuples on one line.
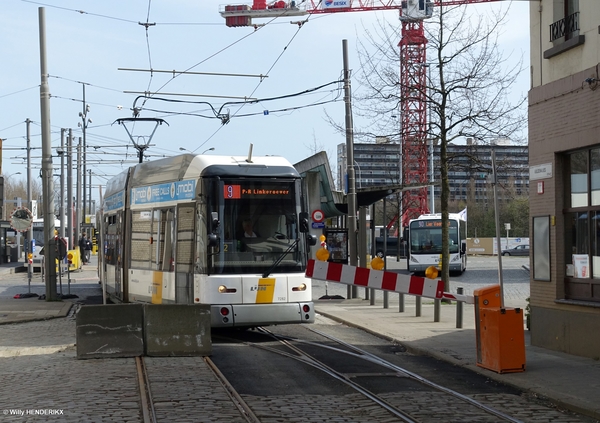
[(259, 224)]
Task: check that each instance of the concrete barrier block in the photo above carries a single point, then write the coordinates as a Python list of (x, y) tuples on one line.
[(177, 330), (114, 330)]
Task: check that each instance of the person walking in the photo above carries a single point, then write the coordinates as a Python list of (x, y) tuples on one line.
[(82, 246), (88, 249)]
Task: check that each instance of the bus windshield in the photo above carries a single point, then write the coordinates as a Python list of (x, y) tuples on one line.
[(258, 226), (426, 237)]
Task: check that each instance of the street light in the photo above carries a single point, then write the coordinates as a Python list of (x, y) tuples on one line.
[(208, 149)]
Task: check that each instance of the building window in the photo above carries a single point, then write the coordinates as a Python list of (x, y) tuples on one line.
[(582, 226)]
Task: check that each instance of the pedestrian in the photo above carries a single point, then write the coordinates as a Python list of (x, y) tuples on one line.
[(88, 249), (82, 245)]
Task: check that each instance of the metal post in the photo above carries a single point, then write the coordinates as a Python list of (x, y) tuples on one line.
[(78, 194), (386, 303), (437, 304), (497, 218), (47, 181), (69, 152), (352, 250), (83, 116), (29, 249), (418, 306), (61, 204), (90, 194), (459, 309)]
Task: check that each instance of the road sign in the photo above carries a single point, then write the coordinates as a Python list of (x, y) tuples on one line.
[(318, 215)]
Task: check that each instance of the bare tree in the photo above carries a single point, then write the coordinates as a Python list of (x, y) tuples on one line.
[(468, 87)]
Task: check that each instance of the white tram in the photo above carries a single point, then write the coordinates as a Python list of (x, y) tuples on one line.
[(172, 232)]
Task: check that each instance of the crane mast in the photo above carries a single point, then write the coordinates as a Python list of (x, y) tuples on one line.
[(413, 75)]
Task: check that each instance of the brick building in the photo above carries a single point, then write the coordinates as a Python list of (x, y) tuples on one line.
[(564, 159)]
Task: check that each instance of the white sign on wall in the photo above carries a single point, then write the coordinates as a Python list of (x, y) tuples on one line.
[(543, 171)]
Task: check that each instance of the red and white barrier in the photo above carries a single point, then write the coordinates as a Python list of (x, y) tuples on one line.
[(379, 279)]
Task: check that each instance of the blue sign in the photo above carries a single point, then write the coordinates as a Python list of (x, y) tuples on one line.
[(318, 225), (115, 201), (171, 191), (33, 245)]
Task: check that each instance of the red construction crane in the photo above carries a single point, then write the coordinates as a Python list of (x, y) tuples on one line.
[(413, 76)]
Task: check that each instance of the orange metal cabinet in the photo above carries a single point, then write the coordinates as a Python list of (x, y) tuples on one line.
[(499, 332)]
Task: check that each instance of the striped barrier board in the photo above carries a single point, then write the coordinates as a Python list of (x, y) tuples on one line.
[(379, 279)]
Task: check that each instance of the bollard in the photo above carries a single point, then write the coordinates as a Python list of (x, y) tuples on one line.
[(437, 304), (386, 302), (401, 303), (367, 293), (372, 300), (418, 306), (459, 309)]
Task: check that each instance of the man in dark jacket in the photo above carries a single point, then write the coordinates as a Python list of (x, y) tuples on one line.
[(82, 245)]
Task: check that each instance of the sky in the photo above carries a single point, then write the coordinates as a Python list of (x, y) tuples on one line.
[(90, 46)]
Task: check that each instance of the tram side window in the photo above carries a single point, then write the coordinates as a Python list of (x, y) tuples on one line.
[(141, 239), (111, 240)]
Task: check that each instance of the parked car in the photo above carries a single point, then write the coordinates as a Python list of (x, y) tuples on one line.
[(519, 250)]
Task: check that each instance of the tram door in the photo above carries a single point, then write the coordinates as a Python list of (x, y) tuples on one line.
[(184, 257)]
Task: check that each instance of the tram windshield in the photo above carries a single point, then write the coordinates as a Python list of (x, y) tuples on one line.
[(258, 226)]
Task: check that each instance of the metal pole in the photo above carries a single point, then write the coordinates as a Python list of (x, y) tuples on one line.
[(90, 195), (78, 200), (61, 204), (495, 184), (386, 303), (459, 309), (84, 126), (352, 250), (431, 188), (29, 249), (47, 182), (69, 152)]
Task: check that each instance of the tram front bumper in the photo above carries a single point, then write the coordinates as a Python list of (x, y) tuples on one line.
[(252, 315)]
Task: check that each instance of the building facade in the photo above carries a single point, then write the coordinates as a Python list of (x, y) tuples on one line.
[(564, 158), (469, 173)]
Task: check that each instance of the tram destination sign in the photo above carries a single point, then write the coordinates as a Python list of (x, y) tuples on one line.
[(238, 191)]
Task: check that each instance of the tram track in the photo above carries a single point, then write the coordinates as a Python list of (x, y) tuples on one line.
[(179, 393), (237, 385), (293, 350)]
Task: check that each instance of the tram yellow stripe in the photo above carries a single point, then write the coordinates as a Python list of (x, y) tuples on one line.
[(157, 278), (266, 291)]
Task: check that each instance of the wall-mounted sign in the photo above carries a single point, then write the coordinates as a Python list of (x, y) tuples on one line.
[(543, 171)]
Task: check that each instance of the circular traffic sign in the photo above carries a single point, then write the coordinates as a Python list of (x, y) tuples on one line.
[(21, 219), (318, 216)]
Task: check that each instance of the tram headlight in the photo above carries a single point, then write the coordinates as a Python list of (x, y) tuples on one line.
[(224, 290), (301, 287)]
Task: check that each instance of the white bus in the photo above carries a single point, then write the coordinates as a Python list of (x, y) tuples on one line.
[(172, 231), (425, 242)]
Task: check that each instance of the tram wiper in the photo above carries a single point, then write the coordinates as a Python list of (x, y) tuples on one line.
[(274, 265)]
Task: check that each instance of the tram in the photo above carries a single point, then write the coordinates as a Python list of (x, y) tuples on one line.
[(174, 231)]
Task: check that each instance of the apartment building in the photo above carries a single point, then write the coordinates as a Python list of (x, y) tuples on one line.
[(470, 168)]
